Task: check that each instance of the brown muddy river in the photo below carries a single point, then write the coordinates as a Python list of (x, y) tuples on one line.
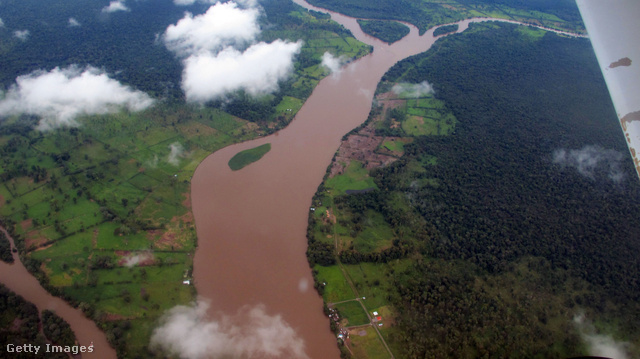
[(16, 277), (251, 223)]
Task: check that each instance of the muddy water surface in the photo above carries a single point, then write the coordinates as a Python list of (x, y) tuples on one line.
[(251, 223), (16, 277)]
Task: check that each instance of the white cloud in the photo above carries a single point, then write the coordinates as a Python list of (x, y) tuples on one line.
[(215, 61), (191, 2), (590, 160), (600, 345), (334, 64), (73, 22), (114, 6), (21, 34), (1, 23), (60, 95), (303, 285), (256, 70), (222, 25), (413, 90), (135, 259), (177, 151), (245, 3), (186, 332)]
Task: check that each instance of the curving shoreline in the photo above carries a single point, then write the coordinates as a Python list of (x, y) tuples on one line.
[(16, 277), (251, 223), (270, 222)]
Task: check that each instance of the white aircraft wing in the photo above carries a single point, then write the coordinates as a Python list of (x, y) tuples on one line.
[(614, 30)]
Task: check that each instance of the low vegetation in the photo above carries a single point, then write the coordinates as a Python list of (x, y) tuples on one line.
[(446, 29), (387, 31), (247, 157)]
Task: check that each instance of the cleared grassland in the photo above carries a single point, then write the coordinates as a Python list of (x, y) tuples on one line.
[(368, 345), (353, 313), (355, 177)]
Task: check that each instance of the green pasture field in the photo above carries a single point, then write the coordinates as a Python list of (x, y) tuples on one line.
[(428, 102), (29, 199), (394, 145), (337, 288), (80, 243), (352, 311), (425, 126), (376, 236), (423, 112), (355, 177), (289, 106), (329, 41), (105, 238), (531, 32), (372, 281), (6, 196), (368, 346), (22, 185), (86, 203)]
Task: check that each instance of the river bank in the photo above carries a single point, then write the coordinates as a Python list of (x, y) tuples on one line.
[(251, 223), (16, 277)]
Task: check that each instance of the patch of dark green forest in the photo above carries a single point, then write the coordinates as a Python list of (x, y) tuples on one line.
[(20, 325), (387, 31), (510, 235), (5, 249), (500, 197), (445, 29)]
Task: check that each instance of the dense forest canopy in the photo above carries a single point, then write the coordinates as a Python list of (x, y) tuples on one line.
[(505, 191), (516, 225), (428, 13), (21, 324), (142, 61), (387, 31)]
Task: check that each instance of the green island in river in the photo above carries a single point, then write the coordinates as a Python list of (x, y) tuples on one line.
[(101, 211), (247, 157), (468, 230)]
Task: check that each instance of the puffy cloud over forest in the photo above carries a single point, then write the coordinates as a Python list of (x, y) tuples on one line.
[(115, 6), (220, 53), (59, 96)]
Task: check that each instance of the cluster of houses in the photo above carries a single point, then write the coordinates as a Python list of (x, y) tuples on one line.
[(376, 319), (342, 333)]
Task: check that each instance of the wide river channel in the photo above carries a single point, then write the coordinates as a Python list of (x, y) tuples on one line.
[(251, 223)]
